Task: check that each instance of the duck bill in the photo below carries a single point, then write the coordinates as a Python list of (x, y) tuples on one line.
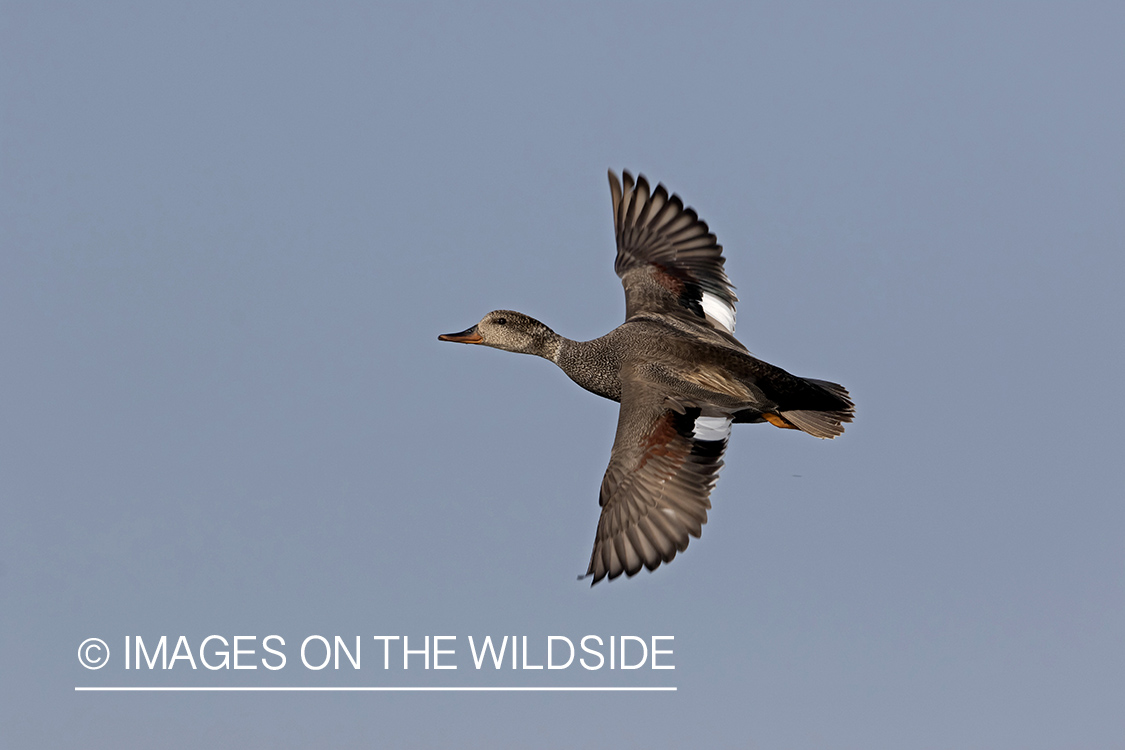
[(469, 336)]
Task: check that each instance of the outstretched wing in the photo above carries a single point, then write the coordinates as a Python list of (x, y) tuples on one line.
[(656, 492), (668, 261)]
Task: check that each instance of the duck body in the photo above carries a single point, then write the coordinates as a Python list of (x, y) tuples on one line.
[(683, 358), (680, 375)]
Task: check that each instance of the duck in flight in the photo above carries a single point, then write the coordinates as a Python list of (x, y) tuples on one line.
[(677, 370)]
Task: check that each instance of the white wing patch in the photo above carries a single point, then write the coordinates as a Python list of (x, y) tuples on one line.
[(711, 428), (718, 311)]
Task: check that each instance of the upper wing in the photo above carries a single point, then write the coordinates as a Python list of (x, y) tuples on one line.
[(656, 491), (667, 259)]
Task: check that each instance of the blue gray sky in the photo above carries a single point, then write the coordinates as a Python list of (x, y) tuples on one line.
[(231, 233)]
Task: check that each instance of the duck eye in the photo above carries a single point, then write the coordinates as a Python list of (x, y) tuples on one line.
[(501, 321)]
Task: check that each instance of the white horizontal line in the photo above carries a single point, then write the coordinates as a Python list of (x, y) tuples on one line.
[(374, 689)]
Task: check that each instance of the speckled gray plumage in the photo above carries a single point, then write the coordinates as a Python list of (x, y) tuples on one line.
[(679, 373)]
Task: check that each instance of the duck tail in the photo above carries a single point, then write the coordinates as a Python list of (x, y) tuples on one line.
[(823, 423)]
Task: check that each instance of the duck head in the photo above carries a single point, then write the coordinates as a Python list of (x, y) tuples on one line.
[(510, 331)]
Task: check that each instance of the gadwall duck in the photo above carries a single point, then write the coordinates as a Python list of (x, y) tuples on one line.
[(680, 375)]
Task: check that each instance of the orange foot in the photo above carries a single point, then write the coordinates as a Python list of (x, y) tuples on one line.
[(779, 421)]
